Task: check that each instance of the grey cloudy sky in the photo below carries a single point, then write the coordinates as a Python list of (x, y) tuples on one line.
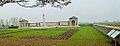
[(85, 10)]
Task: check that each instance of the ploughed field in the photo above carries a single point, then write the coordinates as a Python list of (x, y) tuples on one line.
[(64, 36)]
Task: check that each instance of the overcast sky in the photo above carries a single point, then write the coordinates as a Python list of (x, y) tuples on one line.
[(85, 10)]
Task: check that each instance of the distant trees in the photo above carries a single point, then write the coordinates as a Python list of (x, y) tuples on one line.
[(6, 23), (1, 23), (13, 21)]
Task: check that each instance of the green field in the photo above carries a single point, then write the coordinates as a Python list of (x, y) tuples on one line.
[(85, 36)]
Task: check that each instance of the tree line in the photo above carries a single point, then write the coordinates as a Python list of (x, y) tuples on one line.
[(13, 21)]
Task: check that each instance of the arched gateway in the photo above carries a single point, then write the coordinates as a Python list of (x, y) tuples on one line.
[(73, 21)]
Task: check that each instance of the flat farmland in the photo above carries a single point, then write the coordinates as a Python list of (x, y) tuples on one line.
[(64, 36)]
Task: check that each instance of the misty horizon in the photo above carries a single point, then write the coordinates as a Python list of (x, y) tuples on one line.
[(86, 11)]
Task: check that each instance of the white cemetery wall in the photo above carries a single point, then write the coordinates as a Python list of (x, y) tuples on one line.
[(64, 23), (33, 25), (52, 23)]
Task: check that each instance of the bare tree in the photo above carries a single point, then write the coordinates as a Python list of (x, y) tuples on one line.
[(14, 21), (7, 23), (37, 3), (1, 23)]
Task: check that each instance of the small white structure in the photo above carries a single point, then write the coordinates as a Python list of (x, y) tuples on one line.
[(73, 21)]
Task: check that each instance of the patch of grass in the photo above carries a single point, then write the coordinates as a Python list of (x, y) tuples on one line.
[(34, 32), (88, 36), (85, 36)]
